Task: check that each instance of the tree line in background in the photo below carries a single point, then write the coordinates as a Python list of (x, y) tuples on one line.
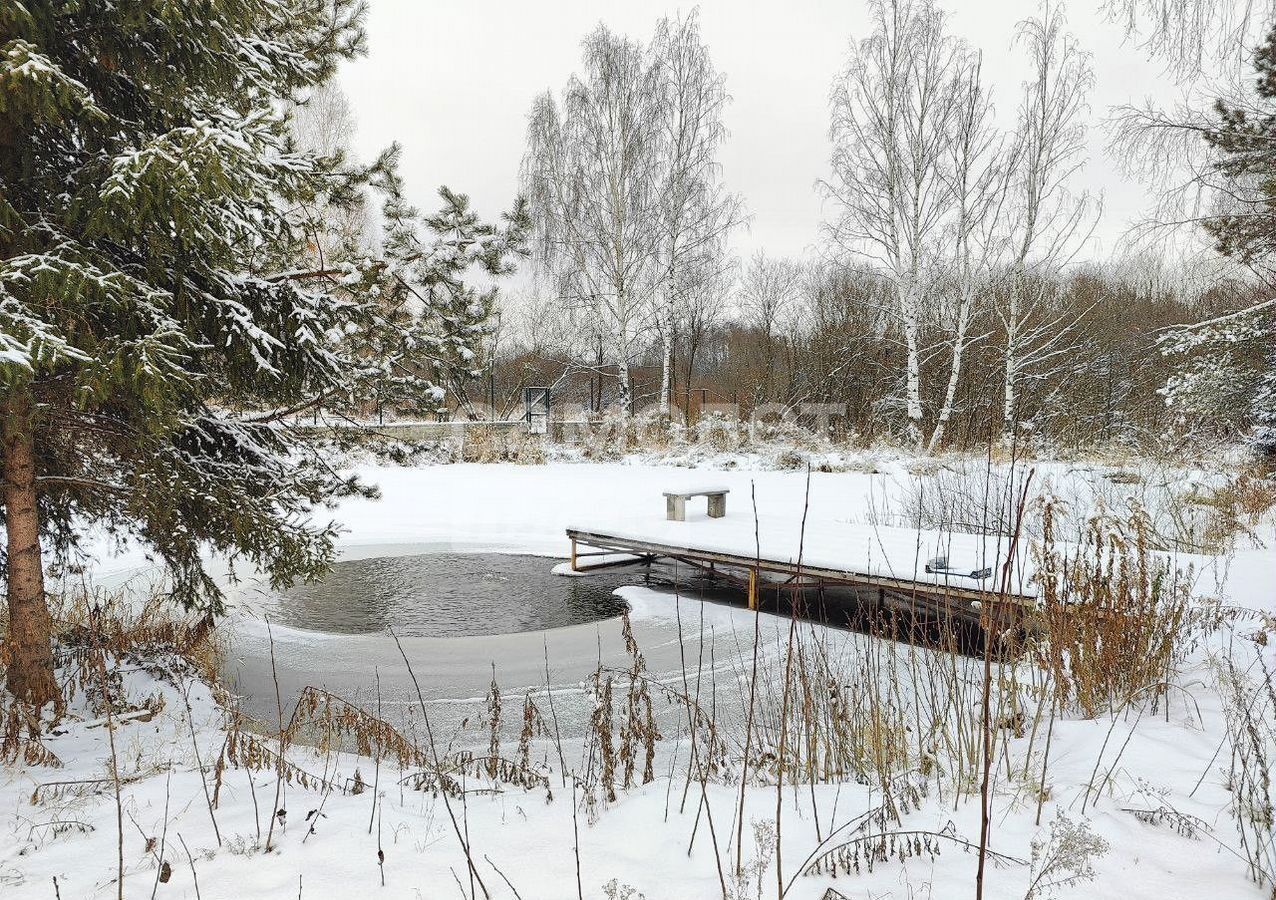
[(788, 335), (949, 301), (946, 303)]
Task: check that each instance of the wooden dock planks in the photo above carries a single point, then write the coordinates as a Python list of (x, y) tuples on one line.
[(973, 604)]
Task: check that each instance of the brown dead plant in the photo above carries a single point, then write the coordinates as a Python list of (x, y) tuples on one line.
[(1115, 618)]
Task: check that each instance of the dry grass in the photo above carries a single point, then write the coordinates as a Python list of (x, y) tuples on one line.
[(1236, 507), (1115, 620), (1250, 697), (483, 444), (94, 632)]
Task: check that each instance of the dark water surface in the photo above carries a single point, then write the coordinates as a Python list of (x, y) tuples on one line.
[(450, 595)]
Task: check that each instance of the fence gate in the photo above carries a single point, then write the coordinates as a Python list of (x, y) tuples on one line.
[(536, 405)]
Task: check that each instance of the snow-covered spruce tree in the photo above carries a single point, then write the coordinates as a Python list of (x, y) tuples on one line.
[(1263, 409), (1222, 159), (156, 327), (1244, 228)]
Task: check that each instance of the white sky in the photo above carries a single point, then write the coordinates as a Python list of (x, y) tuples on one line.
[(453, 80)]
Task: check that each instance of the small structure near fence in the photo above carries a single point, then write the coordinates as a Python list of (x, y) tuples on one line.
[(536, 401)]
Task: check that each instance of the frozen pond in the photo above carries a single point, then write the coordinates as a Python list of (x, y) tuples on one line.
[(462, 614), (466, 614), (448, 595)]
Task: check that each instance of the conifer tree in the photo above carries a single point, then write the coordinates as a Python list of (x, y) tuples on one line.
[(1263, 407), (432, 324), (160, 316), (1244, 227), (1228, 360)]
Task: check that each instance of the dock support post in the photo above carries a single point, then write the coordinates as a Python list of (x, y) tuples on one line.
[(753, 589), (574, 569)]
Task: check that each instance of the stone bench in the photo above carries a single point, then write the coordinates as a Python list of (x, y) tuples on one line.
[(676, 503)]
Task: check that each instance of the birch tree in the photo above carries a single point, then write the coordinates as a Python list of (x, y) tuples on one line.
[(1050, 222), (1191, 36), (696, 213), (592, 178), (892, 110), (980, 167)]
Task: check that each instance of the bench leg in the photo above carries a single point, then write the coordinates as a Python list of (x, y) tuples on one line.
[(676, 509), (717, 506)]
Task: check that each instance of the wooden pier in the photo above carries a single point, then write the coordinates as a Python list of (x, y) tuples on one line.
[(986, 607)]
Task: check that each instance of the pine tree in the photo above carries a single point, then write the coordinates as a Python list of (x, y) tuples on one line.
[(161, 313), (432, 323), (1245, 227), (1236, 352)]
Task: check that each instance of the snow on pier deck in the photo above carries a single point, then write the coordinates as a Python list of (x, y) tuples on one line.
[(891, 561)]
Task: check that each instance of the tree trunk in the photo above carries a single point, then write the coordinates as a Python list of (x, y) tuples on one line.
[(913, 386), (626, 399), (666, 376), (1013, 323), (950, 396), (30, 663), (1010, 379), (954, 372)]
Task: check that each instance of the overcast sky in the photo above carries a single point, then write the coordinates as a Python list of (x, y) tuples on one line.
[(452, 81)]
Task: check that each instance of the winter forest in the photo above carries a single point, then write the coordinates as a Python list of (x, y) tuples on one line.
[(623, 451)]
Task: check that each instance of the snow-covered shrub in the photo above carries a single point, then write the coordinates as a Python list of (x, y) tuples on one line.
[(785, 431), (1252, 736), (605, 439), (962, 494), (718, 432), (790, 458), (650, 431), (484, 444), (614, 890), (1063, 859)]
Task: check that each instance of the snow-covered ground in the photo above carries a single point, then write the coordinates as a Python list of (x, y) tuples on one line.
[(1152, 783)]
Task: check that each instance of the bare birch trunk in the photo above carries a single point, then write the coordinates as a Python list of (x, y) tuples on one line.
[(914, 378), (626, 398), (1010, 392), (666, 366), (950, 393)]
